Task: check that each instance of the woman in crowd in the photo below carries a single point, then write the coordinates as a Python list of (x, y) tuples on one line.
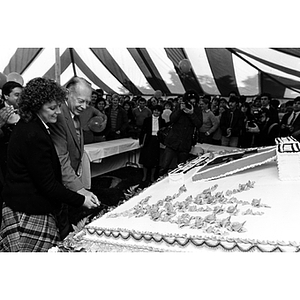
[(127, 107), (210, 122), (217, 136), (131, 120), (33, 191), (167, 110), (214, 107), (99, 135), (150, 151), (101, 105)]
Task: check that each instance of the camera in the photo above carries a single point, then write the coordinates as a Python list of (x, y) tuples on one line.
[(188, 104), (256, 112), (251, 124)]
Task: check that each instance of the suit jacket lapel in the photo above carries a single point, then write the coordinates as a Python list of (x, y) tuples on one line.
[(70, 125)]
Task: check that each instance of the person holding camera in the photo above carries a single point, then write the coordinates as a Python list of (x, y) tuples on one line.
[(185, 118)]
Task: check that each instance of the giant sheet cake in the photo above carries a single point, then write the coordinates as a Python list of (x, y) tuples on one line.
[(249, 211)]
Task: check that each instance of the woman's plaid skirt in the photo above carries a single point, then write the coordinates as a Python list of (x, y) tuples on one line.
[(21, 232)]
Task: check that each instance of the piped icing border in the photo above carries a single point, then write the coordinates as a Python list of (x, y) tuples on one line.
[(183, 241)]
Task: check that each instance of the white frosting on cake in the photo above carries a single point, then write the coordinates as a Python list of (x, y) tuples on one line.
[(269, 226)]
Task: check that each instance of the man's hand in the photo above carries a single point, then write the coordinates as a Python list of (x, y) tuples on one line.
[(188, 111), (90, 196), (5, 113), (89, 202), (228, 131)]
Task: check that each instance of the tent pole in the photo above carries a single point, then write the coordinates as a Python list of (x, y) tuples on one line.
[(57, 66)]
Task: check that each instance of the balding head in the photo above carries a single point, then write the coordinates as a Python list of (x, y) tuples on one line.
[(79, 92)]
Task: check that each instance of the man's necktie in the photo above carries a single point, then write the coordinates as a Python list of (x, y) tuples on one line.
[(77, 126)]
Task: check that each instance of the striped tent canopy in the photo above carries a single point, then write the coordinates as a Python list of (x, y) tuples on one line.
[(141, 71)]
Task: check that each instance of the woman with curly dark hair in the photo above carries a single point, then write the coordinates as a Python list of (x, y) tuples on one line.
[(33, 191)]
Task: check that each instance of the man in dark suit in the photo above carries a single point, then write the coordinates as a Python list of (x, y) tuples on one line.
[(231, 124), (290, 123), (68, 139), (265, 103)]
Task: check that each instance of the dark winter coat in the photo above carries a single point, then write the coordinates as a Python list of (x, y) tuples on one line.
[(180, 137)]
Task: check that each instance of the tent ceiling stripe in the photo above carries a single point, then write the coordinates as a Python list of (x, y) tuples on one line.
[(189, 80), (147, 66), (108, 61), (221, 63), (21, 60), (270, 64)]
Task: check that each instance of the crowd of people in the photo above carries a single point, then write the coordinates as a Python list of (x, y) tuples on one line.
[(226, 121), (43, 129)]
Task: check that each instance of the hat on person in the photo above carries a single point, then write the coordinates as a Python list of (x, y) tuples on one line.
[(191, 94), (97, 124)]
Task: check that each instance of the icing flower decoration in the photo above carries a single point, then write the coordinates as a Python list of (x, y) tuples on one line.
[(231, 209), (256, 202), (237, 227)]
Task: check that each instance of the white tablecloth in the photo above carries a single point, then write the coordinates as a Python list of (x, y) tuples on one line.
[(97, 151), (103, 157)]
